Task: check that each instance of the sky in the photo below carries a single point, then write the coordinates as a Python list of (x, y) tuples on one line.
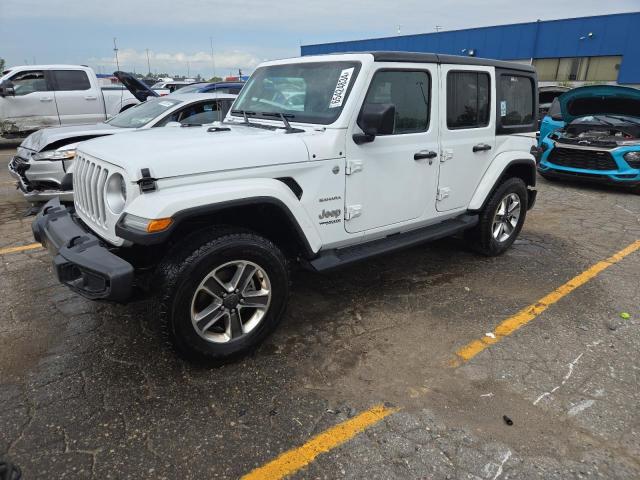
[(179, 34)]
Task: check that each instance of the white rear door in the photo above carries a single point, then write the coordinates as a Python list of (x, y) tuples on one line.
[(79, 102), (467, 132)]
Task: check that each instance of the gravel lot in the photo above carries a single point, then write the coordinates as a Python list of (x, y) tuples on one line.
[(89, 391)]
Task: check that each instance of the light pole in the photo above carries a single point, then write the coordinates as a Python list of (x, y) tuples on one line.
[(115, 49), (148, 64), (213, 62)]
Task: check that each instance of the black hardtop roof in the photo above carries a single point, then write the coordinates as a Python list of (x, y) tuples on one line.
[(419, 57)]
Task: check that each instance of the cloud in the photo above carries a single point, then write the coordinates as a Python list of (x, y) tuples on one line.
[(178, 62), (317, 15)]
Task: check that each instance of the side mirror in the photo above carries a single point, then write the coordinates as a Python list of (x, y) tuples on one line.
[(6, 89), (375, 119), (173, 124)]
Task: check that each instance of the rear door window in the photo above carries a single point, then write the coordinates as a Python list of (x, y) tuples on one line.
[(467, 99), (69, 80)]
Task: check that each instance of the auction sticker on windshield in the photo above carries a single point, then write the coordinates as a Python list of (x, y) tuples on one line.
[(341, 88)]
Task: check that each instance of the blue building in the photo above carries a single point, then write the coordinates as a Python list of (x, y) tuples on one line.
[(602, 49)]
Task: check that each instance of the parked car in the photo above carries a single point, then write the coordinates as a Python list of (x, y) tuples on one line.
[(593, 133), (390, 150), (44, 157), (170, 86), (220, 87), (546, 96), (38, 96)]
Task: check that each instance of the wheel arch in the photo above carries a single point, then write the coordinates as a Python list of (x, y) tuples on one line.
[(267, 216), (524, 168)]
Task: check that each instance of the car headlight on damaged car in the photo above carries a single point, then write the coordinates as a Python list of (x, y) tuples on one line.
[(115, 193), (146, 225), (68, 154), (633, 159)]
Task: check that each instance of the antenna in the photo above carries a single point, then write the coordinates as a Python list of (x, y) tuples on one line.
[(115, 49), (438, 28)]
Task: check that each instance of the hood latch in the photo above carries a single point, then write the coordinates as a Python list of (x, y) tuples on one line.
[(147, 183)]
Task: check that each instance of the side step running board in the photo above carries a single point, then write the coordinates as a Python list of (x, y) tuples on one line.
[(331, 259)]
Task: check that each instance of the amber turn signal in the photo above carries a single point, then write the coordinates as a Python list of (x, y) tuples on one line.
[(158, 225)]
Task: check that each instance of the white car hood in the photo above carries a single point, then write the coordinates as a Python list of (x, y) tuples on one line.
[(176, 151), (40, 139)]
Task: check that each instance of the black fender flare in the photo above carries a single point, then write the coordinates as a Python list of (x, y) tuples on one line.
[(143, 238)]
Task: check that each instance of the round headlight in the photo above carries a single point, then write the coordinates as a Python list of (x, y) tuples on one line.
[(116, 193)]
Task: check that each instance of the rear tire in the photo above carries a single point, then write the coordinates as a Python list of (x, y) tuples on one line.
[(501, 219), (222, 294)]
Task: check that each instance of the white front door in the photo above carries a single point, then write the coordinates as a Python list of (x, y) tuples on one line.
[(393, 179), (78, 101), (467, 132), (34, 105)]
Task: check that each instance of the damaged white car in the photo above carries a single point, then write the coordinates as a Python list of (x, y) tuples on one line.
[(45, 157)]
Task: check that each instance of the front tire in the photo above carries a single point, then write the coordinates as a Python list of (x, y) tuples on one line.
[(223, 293), (501, 219)]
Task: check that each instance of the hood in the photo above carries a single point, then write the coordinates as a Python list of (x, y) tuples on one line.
[(76, 133), (135, 86), (598, 100), (176, 151)]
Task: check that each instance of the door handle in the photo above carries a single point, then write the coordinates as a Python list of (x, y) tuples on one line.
[(46, 99), (481, 147), (421, 155), (90, 97)]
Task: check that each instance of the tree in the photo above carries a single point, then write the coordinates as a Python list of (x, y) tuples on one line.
[(215, 79), (1, 65)]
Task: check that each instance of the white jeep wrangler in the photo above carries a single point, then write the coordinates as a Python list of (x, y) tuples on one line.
[(322, 161)]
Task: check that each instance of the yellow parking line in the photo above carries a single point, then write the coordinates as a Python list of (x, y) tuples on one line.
[(22, 248), (293, 460), (524, 316)]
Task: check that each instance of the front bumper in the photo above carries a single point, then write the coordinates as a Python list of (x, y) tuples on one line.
[(18, 168), (588, 177), (80, 259)]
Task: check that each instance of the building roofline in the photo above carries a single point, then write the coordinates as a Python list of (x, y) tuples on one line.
[(471, 29)]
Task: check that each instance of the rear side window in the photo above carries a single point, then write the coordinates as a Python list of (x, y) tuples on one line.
[(67, 80), (409, 92), (467, 99), (516, 100)]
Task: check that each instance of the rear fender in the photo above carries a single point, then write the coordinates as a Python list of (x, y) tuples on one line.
[(504, 165)]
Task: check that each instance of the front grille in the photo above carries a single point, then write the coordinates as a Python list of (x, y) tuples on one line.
[(89, 179), (582, 158)]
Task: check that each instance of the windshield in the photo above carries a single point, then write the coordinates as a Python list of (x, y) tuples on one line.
[(303, 92), (143, 113)]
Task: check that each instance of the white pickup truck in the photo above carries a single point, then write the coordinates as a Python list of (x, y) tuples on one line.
[(38, 96)]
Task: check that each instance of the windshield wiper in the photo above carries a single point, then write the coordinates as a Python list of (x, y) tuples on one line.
[(283, 117), (625, 119), (244, 113), (603, 120)]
